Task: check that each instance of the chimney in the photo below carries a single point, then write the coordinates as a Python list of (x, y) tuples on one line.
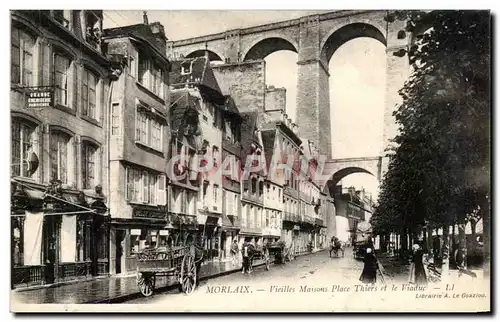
[(145, 17), (159, 34)]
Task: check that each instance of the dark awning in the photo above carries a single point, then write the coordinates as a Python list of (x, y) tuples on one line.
[(230, 222)]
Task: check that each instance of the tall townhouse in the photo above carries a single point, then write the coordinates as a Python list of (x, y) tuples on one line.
[(194, 79), (139, 141), (231, 179), (59, 95), (350, 211), (252, 181), (311, 197)]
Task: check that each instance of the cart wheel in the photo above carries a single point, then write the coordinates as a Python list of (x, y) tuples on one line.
[(146, 284), (267, 259), (188, 274)]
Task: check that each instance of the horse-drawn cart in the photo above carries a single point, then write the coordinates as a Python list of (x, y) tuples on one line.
[(260, 252), (179, 262), (277, 250), (363, 239)]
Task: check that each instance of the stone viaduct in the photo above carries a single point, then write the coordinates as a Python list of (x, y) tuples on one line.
[(315, 39)]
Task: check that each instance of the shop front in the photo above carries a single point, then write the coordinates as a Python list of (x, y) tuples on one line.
[(128, 236), (57, 235), (184, 230), (210, 225), (229, 233)]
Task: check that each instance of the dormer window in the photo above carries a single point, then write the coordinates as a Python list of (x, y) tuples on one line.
[(63, 17), (186, 68), (93, 27)]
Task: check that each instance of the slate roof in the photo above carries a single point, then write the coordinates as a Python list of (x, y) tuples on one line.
[(268, 138), (201, 75), (181, 101), (140, 31), (230, 107), (249, 136)]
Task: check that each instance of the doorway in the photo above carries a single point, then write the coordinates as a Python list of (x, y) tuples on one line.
[(119, 236)]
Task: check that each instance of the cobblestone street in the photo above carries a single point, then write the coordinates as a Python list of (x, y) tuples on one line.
[(312, 282)]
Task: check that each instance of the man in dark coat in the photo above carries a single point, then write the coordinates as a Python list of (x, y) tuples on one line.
[(246, 252), (369, 274)]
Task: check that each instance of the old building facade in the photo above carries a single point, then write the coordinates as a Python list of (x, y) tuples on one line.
[(139, 142), (60, 80), (352, 206), (194, 78)]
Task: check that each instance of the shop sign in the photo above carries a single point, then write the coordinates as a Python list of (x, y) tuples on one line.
[(212, 220), (39, 98), (135, 232), (163, 232), (296, 227), (140, 213)]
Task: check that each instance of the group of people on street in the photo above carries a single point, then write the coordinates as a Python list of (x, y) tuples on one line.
[(417, 271), (246, 256)]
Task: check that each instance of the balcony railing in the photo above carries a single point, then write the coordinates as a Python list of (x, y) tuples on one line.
[(290, 191), (291, 217), (232, 147), (251, 230), (253, 198), (271, 232)]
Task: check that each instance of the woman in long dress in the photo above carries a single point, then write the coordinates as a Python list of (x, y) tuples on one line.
[(417, 270), (369, 274)]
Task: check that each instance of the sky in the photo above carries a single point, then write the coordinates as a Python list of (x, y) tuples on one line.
[(357, 81)]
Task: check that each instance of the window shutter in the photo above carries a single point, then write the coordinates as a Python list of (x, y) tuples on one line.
[(137, 125), (161, 196), (129, 175), (145, 187), (225, 203)]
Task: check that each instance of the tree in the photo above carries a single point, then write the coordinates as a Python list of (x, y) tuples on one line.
[(439, 171)]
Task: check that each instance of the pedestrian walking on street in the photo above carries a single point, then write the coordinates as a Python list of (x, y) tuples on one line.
[(246, 253), (417, 270), (234, 252), (369, 274)]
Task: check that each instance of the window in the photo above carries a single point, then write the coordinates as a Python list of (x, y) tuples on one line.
[(216, 191), (89, 84), (145, 186), (228, 130), (143, 69), (150, 75), (184, 202), (83, 236), (63, 17), (22, 48), (23, 142), (59, 160), (148, 130), (89, 165), (157, 79), (115, 118), (61, 75), (186, 67), (93, 28), (132, 67)]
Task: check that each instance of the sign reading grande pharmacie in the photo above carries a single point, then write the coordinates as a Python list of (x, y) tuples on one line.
[(40, 97)]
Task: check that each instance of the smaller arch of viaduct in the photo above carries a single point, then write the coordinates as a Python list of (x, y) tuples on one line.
[(336, 169), (212, 56), (267, 44)]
